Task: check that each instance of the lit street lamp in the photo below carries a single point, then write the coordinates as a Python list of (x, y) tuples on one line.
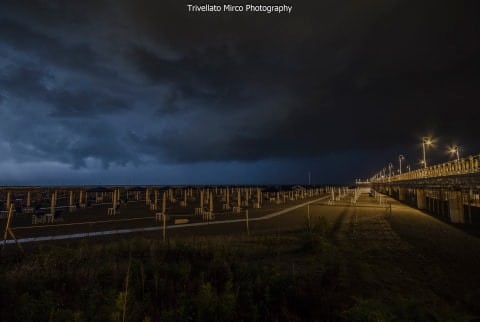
[(408, 167), (400, 158), (454, 150), (425, 141)]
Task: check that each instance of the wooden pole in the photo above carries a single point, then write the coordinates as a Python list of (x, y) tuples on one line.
[(28, 199), (211, 202), (5, 235), (114, 201), (70, 208), (228, 199), (52, 204), (9, 231), (164, 217), (164, 202), (9, 197), (246, 221), (259, 198)]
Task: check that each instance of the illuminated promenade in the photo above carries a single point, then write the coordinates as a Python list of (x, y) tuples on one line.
[(449, 190)]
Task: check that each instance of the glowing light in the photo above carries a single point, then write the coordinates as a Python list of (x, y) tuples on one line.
[(454, 150), (426, 140)]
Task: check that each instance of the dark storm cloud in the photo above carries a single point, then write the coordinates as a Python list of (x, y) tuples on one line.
[(32, 84), (209, 78), (406, 69), (129, 81), (50, 50)]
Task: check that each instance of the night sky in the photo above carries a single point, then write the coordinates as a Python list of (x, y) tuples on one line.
[(145, 92)]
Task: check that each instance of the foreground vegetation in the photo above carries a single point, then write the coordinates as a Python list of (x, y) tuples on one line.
[(312, 274)]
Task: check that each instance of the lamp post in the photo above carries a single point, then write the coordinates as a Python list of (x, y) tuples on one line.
[(425, 141), (408, 167), (400, 158), (390, 167), (454, 150)]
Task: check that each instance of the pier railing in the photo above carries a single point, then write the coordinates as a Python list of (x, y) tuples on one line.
[(468, 165)]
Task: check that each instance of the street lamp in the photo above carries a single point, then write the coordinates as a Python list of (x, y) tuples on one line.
[(425, 141), (454, 150), (400, 158), (390, 167), (408, 167)]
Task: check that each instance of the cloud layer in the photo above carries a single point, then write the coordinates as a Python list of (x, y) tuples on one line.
[(146, 84)]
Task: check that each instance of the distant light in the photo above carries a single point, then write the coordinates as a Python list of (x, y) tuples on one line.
[(455, 151)]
